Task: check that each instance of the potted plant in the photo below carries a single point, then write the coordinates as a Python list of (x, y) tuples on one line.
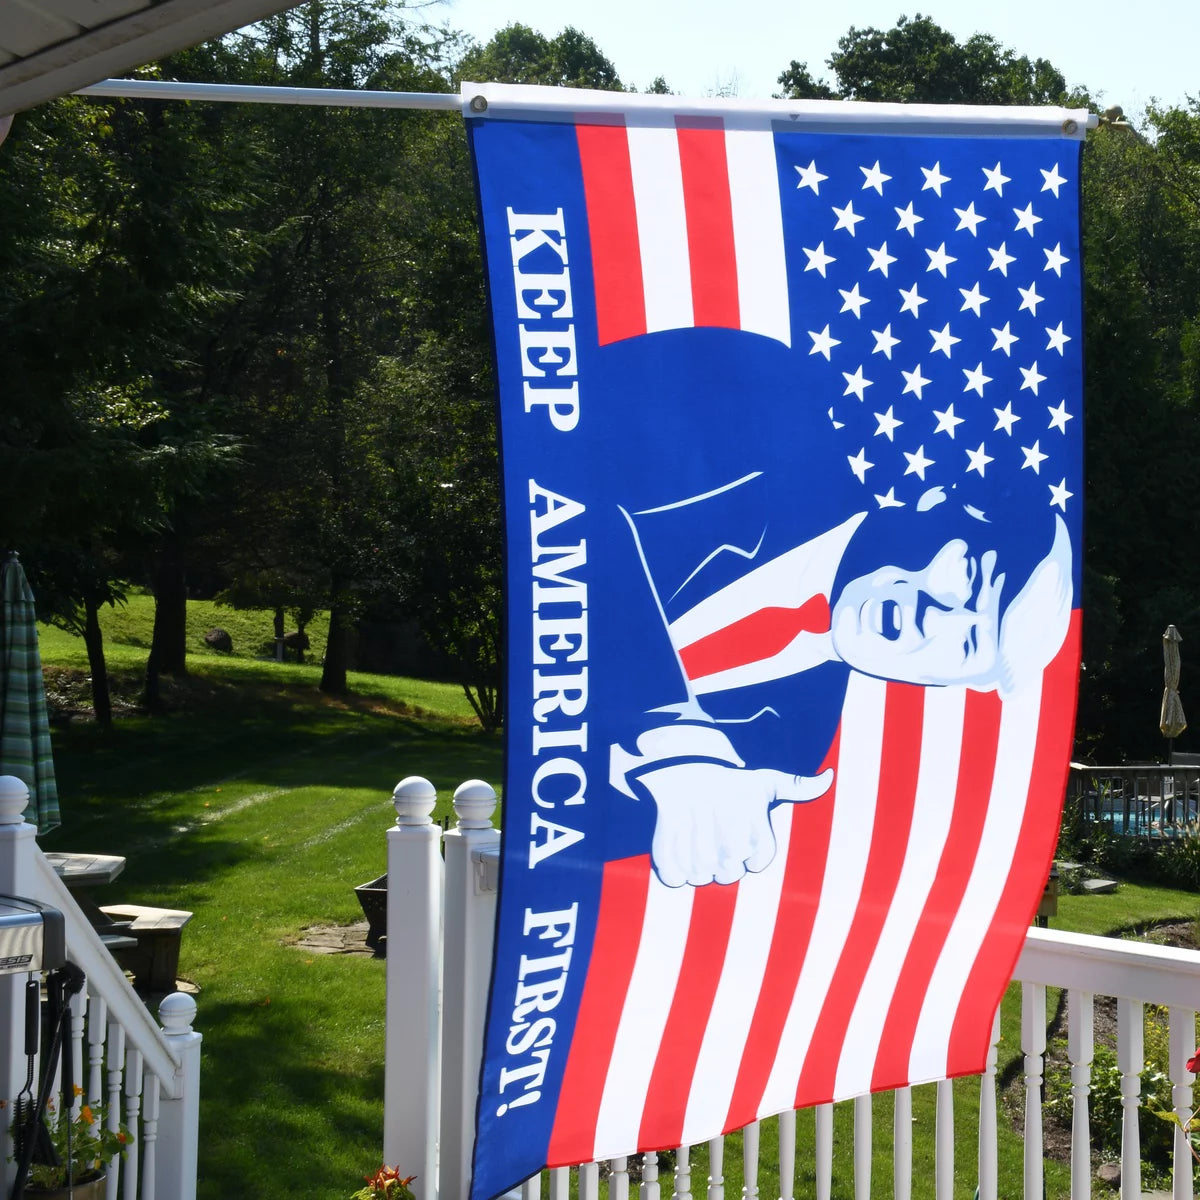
[(84, 1146), (385, 1184)]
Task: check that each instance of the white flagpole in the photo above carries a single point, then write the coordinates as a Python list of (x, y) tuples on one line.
[(238, 93)]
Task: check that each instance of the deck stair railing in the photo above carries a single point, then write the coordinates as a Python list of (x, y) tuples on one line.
[(440, 922), (145, 1076)]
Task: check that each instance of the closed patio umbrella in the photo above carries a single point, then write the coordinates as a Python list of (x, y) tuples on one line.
[(24, 726), (1172, 722)]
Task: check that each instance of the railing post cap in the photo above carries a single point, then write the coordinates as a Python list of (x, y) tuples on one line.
[(413, 798), (14, 797), (474, 803), (176, 1013)]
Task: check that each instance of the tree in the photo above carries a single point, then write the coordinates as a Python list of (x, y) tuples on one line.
[(519, 54)]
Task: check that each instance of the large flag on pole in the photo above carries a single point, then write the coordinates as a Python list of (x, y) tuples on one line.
[(790, 419)]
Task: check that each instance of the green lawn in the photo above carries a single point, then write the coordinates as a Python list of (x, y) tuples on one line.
[(258, 804)]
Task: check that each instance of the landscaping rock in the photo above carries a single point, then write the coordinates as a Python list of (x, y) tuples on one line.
[(219, 639), (1110, 1173), (1099, 887)]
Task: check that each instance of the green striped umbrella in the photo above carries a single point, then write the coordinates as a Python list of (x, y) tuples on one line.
[(24, 726)]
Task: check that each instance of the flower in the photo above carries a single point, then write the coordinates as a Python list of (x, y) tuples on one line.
[(83, 1144), (1193, 1063), (385, 1184)]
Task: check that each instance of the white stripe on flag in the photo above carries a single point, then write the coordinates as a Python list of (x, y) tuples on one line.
[(662, 226), (736, 998), (858, 764), (758, 233), (1001, 829), (937, 783), (639, 1034)]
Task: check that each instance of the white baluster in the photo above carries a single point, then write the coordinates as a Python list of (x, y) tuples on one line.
[(683, 1173), (149, 1139), (823, 1150), (112, 1106), (589, 1181), (787, 1155), (1183, 1046), (862, 1148), (1080, 1049), (1033, 1045), (133, 1104), (97, 1027), (750, 1140), (531, 1189), (77, 1006), (902, 1144), (943, 1141), (988, 1161), (716, 1169), (560, 1183), (1129, 1060), (179, 1115), (618, 1181), (649, 1189)]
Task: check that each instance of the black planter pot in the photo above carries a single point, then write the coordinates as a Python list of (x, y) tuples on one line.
[(373, 898)]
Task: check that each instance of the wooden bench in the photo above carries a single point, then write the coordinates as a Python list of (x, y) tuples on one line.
[(153, 959)]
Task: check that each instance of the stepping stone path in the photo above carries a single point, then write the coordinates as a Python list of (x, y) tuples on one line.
[(1099, 887), (335, 939)]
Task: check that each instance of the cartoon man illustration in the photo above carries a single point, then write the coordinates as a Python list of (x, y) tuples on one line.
[(935, 607)]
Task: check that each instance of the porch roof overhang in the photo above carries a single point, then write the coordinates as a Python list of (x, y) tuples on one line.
[(51, 47)]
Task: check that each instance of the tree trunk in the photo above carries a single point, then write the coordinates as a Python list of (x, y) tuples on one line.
[(169, 644), (279, 633), (93, 639), (337, 652)]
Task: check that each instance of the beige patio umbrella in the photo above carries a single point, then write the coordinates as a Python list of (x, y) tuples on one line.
[(1172, 722)]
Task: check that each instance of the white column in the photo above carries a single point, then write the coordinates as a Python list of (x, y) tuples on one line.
[(902, 1144), (787, 1155), (1033, 1043), (750, 1143), (823, 1150), (16, 852), (470, 929), (411, 1028), (179, 1107), (683, 1174), (1130, 1040), (716, 1169), (1080, 1051), (862, 1147), (1182, 1047), (943, 1141), (988, 1159)]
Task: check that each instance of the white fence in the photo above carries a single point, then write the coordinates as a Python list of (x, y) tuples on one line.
[(440, 925), (144, 1076)]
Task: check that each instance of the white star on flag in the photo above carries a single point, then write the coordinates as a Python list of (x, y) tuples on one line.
[(996, 179), (1053, 180), (1031, 378), (1026, 218), (973, 299), (1055, 259), (859, 465), (908, 219), (823, 342), (943, 339), (855, 383), (1059, 417), (917, 463), (874, 178), (1005, 418), (888, 499), (976, 380), (884, 341), (1058, 339), (979, 460), (880, 259), (810, 177), (818, 260), (934, 178), (1030, 298), (947, 422), (1059, 494), (1004, 339), (853, 300), (912, 300), (1033, 457), (939, 260), (914, 381), (969, 219), (847, 218), (1000, 259), (888, 423)]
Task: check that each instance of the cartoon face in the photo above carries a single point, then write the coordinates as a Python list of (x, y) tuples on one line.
[(936, 625)]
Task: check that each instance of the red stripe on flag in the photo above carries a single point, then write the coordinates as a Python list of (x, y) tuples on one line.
[(623, 893), (709, 227), (971, 1033), (803, 878), (695, 990), (753, 638), (900, 761), (613, 231), (980, 734)]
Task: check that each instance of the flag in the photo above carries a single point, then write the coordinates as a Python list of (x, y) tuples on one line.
[(790, 418)]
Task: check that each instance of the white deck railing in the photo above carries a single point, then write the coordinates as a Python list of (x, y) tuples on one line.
[(145, 1076), (443, 913)]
